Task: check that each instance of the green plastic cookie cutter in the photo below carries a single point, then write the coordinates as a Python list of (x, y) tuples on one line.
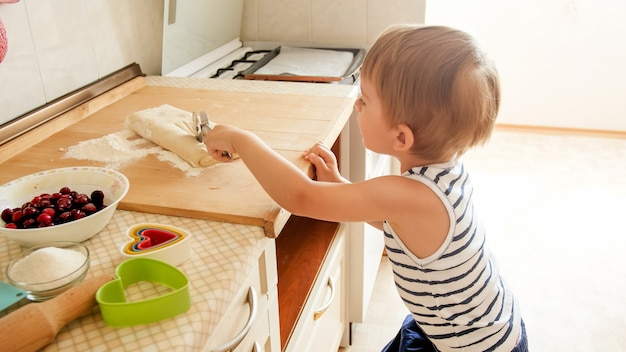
[(117, 312)]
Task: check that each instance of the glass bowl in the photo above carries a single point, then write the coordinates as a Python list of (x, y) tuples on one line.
[(47, 270)]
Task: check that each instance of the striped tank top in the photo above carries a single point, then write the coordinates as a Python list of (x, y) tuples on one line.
[(456, 295)]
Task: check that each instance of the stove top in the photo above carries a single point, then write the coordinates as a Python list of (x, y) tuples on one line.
[(317, 65)]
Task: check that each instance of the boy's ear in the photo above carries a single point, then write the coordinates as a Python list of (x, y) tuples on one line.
[(404, 138)]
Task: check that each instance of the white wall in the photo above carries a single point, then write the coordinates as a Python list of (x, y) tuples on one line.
[(562, 62), (55, 47), (356, 23)]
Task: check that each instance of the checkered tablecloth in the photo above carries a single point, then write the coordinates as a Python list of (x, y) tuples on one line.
[(222, 258)]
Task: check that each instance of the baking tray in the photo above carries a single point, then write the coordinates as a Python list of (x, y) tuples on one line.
[(352, 70)]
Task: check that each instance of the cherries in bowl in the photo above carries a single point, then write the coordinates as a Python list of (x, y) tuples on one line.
[(52, 209), (66, 204)]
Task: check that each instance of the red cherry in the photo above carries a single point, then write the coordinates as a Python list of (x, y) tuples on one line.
[(30, 212), (44, 218), (89, 208), (7, 215), (49, 211), (65, 190), (64, 204), (17, 216), (97, 197), (10, 225), (45, 203), (56, 196), (29, 223), (65, 217), (81, 199), (78, 214)]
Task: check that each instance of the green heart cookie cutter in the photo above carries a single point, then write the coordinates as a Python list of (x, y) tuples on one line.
[(117, 312)]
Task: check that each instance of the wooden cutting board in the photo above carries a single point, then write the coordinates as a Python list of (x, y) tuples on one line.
[(289, 123)]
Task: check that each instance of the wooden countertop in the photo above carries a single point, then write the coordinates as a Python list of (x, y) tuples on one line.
[(289, 116), (213, 251)]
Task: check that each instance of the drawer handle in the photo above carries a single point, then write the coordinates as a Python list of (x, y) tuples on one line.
[(232, 344), (318, 313)]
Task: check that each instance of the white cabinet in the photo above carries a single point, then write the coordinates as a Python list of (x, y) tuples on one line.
[(295, 298), (312, 284), (251, 321), (323, 319)]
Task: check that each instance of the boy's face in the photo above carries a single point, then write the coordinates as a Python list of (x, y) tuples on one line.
[(375, 130)]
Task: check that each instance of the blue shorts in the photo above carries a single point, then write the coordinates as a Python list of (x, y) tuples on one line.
[(411, 338)]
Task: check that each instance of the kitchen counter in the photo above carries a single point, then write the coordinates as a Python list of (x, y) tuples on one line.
[(222, 257), (224, 251), (289, 116)]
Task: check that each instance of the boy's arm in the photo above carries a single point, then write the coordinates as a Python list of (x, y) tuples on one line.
[(279, 178)]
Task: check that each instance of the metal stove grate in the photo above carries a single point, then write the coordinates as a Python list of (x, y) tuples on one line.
[(246, 59)]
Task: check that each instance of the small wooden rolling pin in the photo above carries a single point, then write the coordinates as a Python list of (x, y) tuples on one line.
[(35, 325)]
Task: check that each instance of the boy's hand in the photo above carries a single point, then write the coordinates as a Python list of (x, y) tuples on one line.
[(325, 163), (218, 142)]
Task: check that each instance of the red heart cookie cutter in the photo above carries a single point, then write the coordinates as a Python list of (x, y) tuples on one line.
[(162, 242), (150, 238)]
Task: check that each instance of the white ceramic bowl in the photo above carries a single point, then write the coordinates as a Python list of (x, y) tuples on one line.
[(13, 194), (52, 271)]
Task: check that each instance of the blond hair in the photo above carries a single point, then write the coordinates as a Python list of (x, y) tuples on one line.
[(435, 80)]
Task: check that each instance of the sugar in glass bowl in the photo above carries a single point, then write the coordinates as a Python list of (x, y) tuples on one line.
[(47, 270), (82, 179)]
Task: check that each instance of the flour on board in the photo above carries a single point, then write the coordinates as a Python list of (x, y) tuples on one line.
[(120, 148)]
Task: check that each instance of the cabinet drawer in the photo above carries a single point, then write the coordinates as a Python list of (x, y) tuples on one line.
[(248, 318), (323, 320), (260, 338)]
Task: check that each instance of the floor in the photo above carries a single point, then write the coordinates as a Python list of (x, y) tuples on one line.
[(554, 208)]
